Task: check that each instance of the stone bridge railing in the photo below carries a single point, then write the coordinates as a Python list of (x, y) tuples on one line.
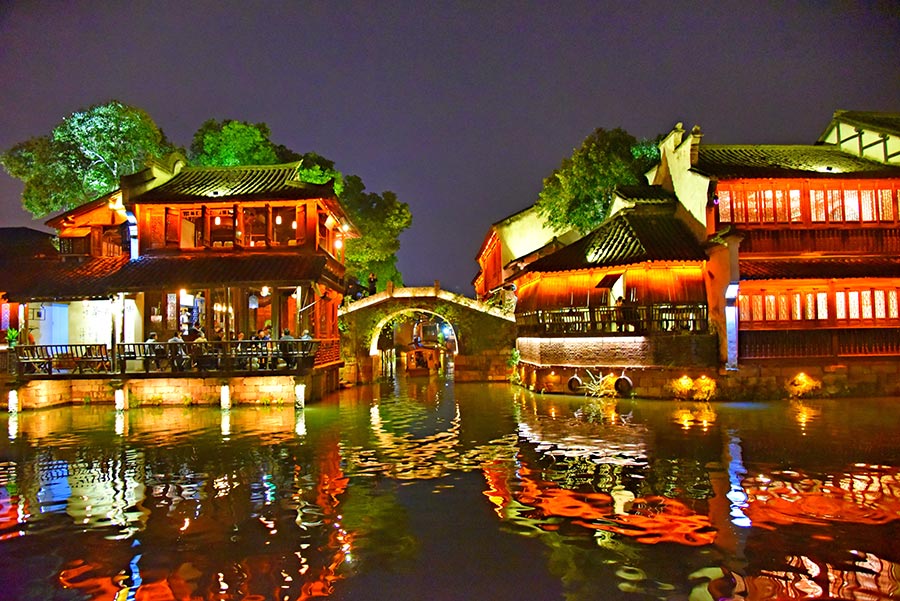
[(485, 335)]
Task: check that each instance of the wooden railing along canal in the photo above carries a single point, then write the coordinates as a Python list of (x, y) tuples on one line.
[(187, 358)]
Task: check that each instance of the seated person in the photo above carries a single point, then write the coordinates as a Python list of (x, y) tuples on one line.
[(288, 349), (177, 353)]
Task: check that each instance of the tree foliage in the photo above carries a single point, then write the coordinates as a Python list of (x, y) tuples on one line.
[(381, 218), (579, 193), (84, 156), (231, 143)]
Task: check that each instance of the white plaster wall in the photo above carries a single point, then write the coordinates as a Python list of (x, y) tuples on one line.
[(523, 234), (90, 322)]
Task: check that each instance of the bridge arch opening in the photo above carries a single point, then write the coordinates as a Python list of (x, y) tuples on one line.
[(411, 311)]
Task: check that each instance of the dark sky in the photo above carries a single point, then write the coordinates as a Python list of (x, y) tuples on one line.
[(461, 108)]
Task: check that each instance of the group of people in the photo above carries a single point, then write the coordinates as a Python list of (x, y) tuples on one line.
[(194, 349)]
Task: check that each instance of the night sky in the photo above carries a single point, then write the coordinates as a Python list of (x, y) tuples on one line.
[(461, 108)]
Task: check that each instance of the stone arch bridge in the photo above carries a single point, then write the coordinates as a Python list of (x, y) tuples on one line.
[(485, 335)]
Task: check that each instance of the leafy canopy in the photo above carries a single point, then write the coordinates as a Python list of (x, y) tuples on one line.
[(84, 156), (579, 193), (380, 219), (230, 143)]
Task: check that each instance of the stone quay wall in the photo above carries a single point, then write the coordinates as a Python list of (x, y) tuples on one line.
[(255, 390), (760, 381)]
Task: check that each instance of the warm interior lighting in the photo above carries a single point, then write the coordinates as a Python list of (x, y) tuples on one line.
[(338, 243), (218, 220), (293, 225), (264, 291), (345, 227), (277, 219)]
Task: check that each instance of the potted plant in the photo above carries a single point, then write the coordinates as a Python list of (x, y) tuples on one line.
[(12, 337)]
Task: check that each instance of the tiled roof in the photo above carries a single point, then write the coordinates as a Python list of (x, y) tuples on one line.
[(25, 242), (819, 267), (888, 123), (645, 232), (646, 194), (753, 161), (103, 277), (216, 269), (240, 183), (52, 279)]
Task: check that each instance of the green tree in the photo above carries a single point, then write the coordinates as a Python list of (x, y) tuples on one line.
[(230, 143), (84, 156), (579, 193), (381, 218)]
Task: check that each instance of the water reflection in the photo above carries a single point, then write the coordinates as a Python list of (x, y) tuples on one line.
[(425, 485)]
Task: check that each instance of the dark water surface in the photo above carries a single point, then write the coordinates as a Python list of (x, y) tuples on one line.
[(427, 489)]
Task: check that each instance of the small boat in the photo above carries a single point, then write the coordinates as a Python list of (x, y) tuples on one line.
[(421, 361)]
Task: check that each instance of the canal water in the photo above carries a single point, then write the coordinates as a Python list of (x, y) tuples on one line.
[(426, 489)]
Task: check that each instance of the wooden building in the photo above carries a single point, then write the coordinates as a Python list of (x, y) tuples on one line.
[(229, 249), (782, 255)]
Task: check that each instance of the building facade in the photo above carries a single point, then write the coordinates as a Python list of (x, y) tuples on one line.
[(788, 252), (224, 250)]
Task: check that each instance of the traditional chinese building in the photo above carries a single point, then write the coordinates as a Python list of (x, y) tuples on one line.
[(786, 255), (220, 249)]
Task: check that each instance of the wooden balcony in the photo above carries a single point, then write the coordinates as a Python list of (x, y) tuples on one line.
[(856, 239), (640, 320), (168, 359)]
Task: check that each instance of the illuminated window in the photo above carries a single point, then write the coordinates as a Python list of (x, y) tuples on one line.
[(737, 209), (851, 205), (822, 305), (840, 305), (893, 311), (756, 307), (835, 206), (768, 202), (880, 306), (810, 307), (867, 205), (284, 226), (752, 206), (817, 205), (887, 205), (796, 211), (784, 307), (725, 206), (781, 206), (744, 308), (796, 306), (853, 301), (865, 298), (771, 311)]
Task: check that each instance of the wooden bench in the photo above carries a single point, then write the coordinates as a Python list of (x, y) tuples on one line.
[(34, 358), (91, 357), (150, 353)]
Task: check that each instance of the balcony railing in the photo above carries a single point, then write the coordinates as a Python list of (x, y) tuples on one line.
[(245, 357), (656, 319)]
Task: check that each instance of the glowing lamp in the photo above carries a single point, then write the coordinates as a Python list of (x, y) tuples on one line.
[(225, 397), (338, 243), (264, 291), (277, 219), (218, 220), (293, 225)]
